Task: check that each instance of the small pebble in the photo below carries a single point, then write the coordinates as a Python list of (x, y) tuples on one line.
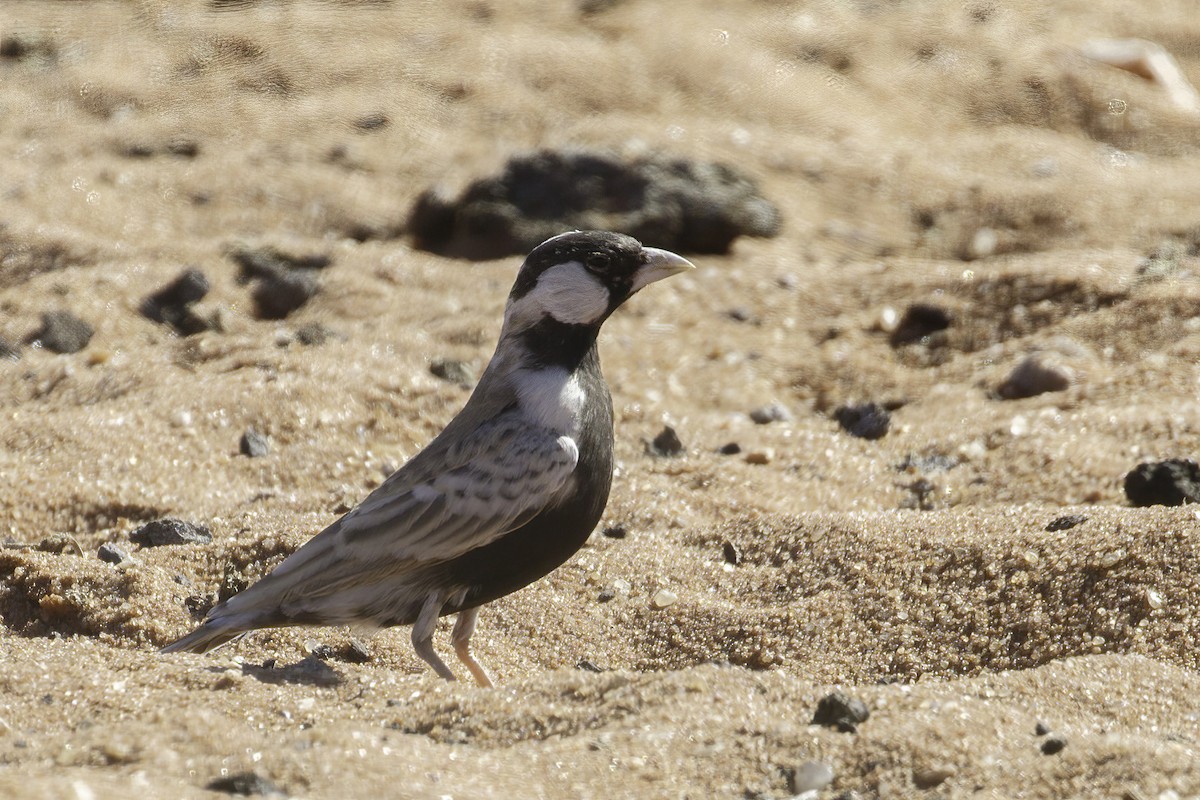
[(1154, 599), (732, 553), (63, 332), (1041, 729), (838, 710), (356, 653), (667, 443), (889, 319), (865, 421), (1038, 373), (616, 531), (243, 783), (620, 587), (1053, 743), (810, 776), (764, 456), (983, 244), (312, 334), (254, 444), (775, 412), (1065, 522), (730, 449), (162, 532), (588, 666), (930, 777), (111, 553), (457, 372), (663, 598), (919, 321)]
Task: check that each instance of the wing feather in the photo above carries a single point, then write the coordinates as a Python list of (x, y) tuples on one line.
[(497, 478)]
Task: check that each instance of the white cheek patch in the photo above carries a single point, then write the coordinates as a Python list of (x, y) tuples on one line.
[(570, 294)]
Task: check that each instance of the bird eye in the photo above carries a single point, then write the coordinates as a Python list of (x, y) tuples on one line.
[(597, 262)]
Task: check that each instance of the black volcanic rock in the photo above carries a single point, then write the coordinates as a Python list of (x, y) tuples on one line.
[(686, 206)]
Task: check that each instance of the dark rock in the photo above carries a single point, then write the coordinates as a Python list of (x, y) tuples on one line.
[(837, 710), (19, 47), (666, 443), (730, 449), (232, 582), (732, 553), (919, 321), (866, 420), (168, 531), (254, 444), (775, 412), (190, 287), (198, 605), (281, 294), (135, 150), (312, 334), (244, 783), (183, 148), (111, 553), (741, 314), (1041, 729), (322, 651), (8, 351), (458, 372), (1054, 743), (170, 303), (1065, 522), (606, 594), (63, 332), (686, 206), (588, 666), (355, 653), (285, 281), (1038, 373), (264, 262), (1173, 482), (616, 531)]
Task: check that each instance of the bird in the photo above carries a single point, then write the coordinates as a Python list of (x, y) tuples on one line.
[(508, 491)]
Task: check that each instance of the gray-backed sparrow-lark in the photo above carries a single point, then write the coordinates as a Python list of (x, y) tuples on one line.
[(506, 493)]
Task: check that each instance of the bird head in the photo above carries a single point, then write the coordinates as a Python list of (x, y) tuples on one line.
[(580, 278)]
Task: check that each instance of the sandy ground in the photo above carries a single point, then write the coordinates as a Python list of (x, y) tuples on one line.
[(963, 155)]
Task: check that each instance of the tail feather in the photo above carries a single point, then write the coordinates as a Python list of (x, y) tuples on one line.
[(208, 636)]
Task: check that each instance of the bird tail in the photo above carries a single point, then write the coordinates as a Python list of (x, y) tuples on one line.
[(209, 636)]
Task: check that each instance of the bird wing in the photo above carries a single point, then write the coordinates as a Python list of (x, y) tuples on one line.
[(498, 478), (487, 483)]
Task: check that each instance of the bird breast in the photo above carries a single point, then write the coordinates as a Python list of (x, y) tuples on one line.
[(553, 398)]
